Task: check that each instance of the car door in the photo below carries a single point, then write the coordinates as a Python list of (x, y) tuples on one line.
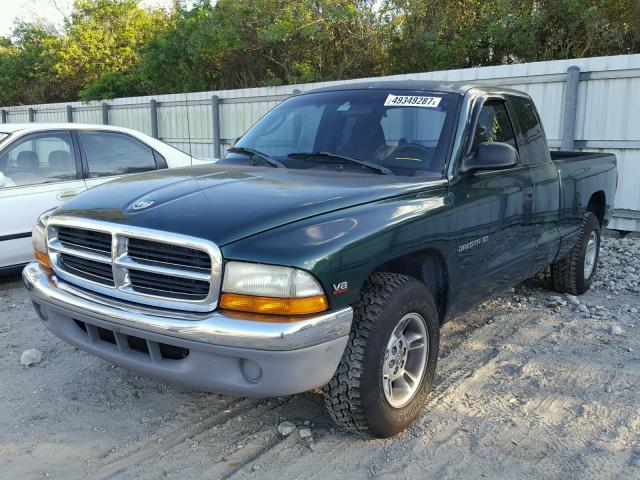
[(108, 155), (41, 170), (546, 206), (492, 216)]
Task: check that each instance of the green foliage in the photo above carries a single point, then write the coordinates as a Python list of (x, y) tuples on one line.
[(112, 48), (113, 85), (243, 43), (102, 38), (444, 34), (27, 66)]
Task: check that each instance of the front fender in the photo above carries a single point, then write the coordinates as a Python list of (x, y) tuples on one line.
[(348, 244)]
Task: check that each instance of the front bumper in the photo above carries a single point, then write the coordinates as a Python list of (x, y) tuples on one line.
[(227, 352)]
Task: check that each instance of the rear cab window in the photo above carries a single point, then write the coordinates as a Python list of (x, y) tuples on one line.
[(534, 149), (113, 153)]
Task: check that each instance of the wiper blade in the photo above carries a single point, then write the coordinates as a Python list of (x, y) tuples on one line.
[(256, 154), (336, 156)]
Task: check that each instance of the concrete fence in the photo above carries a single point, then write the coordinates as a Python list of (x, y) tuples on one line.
[(585, 104)]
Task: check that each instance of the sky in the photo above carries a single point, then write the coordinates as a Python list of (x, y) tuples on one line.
[(53, 11)]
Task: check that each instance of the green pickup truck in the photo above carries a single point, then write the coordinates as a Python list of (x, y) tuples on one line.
[(326, 249)]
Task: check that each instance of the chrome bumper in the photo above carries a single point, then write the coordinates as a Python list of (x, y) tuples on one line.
[(214, 328)]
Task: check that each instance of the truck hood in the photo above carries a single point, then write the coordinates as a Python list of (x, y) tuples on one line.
[(223, 204)]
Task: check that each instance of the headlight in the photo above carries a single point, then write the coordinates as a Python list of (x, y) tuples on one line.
[(39, 238), (252, 287)]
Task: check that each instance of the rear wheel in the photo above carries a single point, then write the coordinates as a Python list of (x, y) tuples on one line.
[(574, 273), (387, 369)]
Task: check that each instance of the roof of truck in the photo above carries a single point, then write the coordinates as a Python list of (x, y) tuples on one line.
[(459, 88)]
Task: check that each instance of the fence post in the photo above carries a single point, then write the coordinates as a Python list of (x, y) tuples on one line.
[(105, 113), (32, 115), (570, 108), (153, 109), (4, 116), (69, 114), (215, 114)]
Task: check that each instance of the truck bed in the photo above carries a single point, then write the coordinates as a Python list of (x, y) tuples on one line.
[(559, 156), (583, 175)]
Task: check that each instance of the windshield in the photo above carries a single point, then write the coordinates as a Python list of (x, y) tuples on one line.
[(370, 131)]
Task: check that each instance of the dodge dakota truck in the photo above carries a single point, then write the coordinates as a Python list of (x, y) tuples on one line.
[(327, 248)]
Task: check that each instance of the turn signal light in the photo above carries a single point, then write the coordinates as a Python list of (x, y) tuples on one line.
[(273, 305), (43, 258)]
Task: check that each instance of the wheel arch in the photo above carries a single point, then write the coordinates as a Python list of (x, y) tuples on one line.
[(429, 267), (597, 204)]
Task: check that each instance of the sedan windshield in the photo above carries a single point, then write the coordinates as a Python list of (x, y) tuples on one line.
[(374, 131)]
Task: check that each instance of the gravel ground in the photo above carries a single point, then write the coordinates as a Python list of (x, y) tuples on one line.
[(529, 385)]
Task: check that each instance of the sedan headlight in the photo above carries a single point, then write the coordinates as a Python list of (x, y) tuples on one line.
[(258, 288), (39, 239)]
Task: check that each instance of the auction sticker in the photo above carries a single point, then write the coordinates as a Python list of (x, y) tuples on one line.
[(412, 101)]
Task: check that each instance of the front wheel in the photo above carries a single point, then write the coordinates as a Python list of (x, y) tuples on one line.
[(387, 369)]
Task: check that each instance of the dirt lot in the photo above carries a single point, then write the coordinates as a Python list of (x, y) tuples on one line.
[(528, 386)]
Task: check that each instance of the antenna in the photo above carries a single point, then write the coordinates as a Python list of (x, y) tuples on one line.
[(186, 107)]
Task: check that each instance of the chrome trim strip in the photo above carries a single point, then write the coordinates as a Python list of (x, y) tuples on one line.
[(57, 246), (120, 262), (215, 328), (130, 263)]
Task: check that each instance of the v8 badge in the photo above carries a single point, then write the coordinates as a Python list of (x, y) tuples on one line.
[(340, 288)]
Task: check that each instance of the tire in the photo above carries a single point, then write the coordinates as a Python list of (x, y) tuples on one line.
[(571, 274), (355, 397)]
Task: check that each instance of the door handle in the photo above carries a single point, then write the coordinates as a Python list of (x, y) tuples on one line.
[(67, 194), (528, 193)]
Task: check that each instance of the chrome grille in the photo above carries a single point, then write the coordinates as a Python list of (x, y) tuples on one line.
[(88, 269), (158, 284), (171, 254), (145, 266), (85, 239)]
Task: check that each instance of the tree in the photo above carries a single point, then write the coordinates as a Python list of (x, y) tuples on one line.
[(102, 37), (445, 34), (243, 43), (110, 48), (27, 66)]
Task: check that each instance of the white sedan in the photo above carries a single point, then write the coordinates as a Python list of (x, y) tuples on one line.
[(42, 165)]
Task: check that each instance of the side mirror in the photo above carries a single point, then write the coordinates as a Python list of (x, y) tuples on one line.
[(491, 156)]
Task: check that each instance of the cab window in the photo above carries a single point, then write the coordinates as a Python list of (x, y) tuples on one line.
[(110, 153), (532, 134), (37, 159), (494, 125)]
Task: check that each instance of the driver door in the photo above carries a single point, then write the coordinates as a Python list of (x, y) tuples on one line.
[(495, 244)]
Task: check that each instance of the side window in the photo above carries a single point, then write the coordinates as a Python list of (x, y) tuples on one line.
[(111, 153), (37, 159), (494, 125), (532, 133)]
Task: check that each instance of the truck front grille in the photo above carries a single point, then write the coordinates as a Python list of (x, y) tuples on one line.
[(85, 239), (157, 284), (140, 265), (88, 269), (171, 254)]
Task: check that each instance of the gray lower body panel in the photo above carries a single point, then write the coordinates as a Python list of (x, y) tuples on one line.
[(213, 368)]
